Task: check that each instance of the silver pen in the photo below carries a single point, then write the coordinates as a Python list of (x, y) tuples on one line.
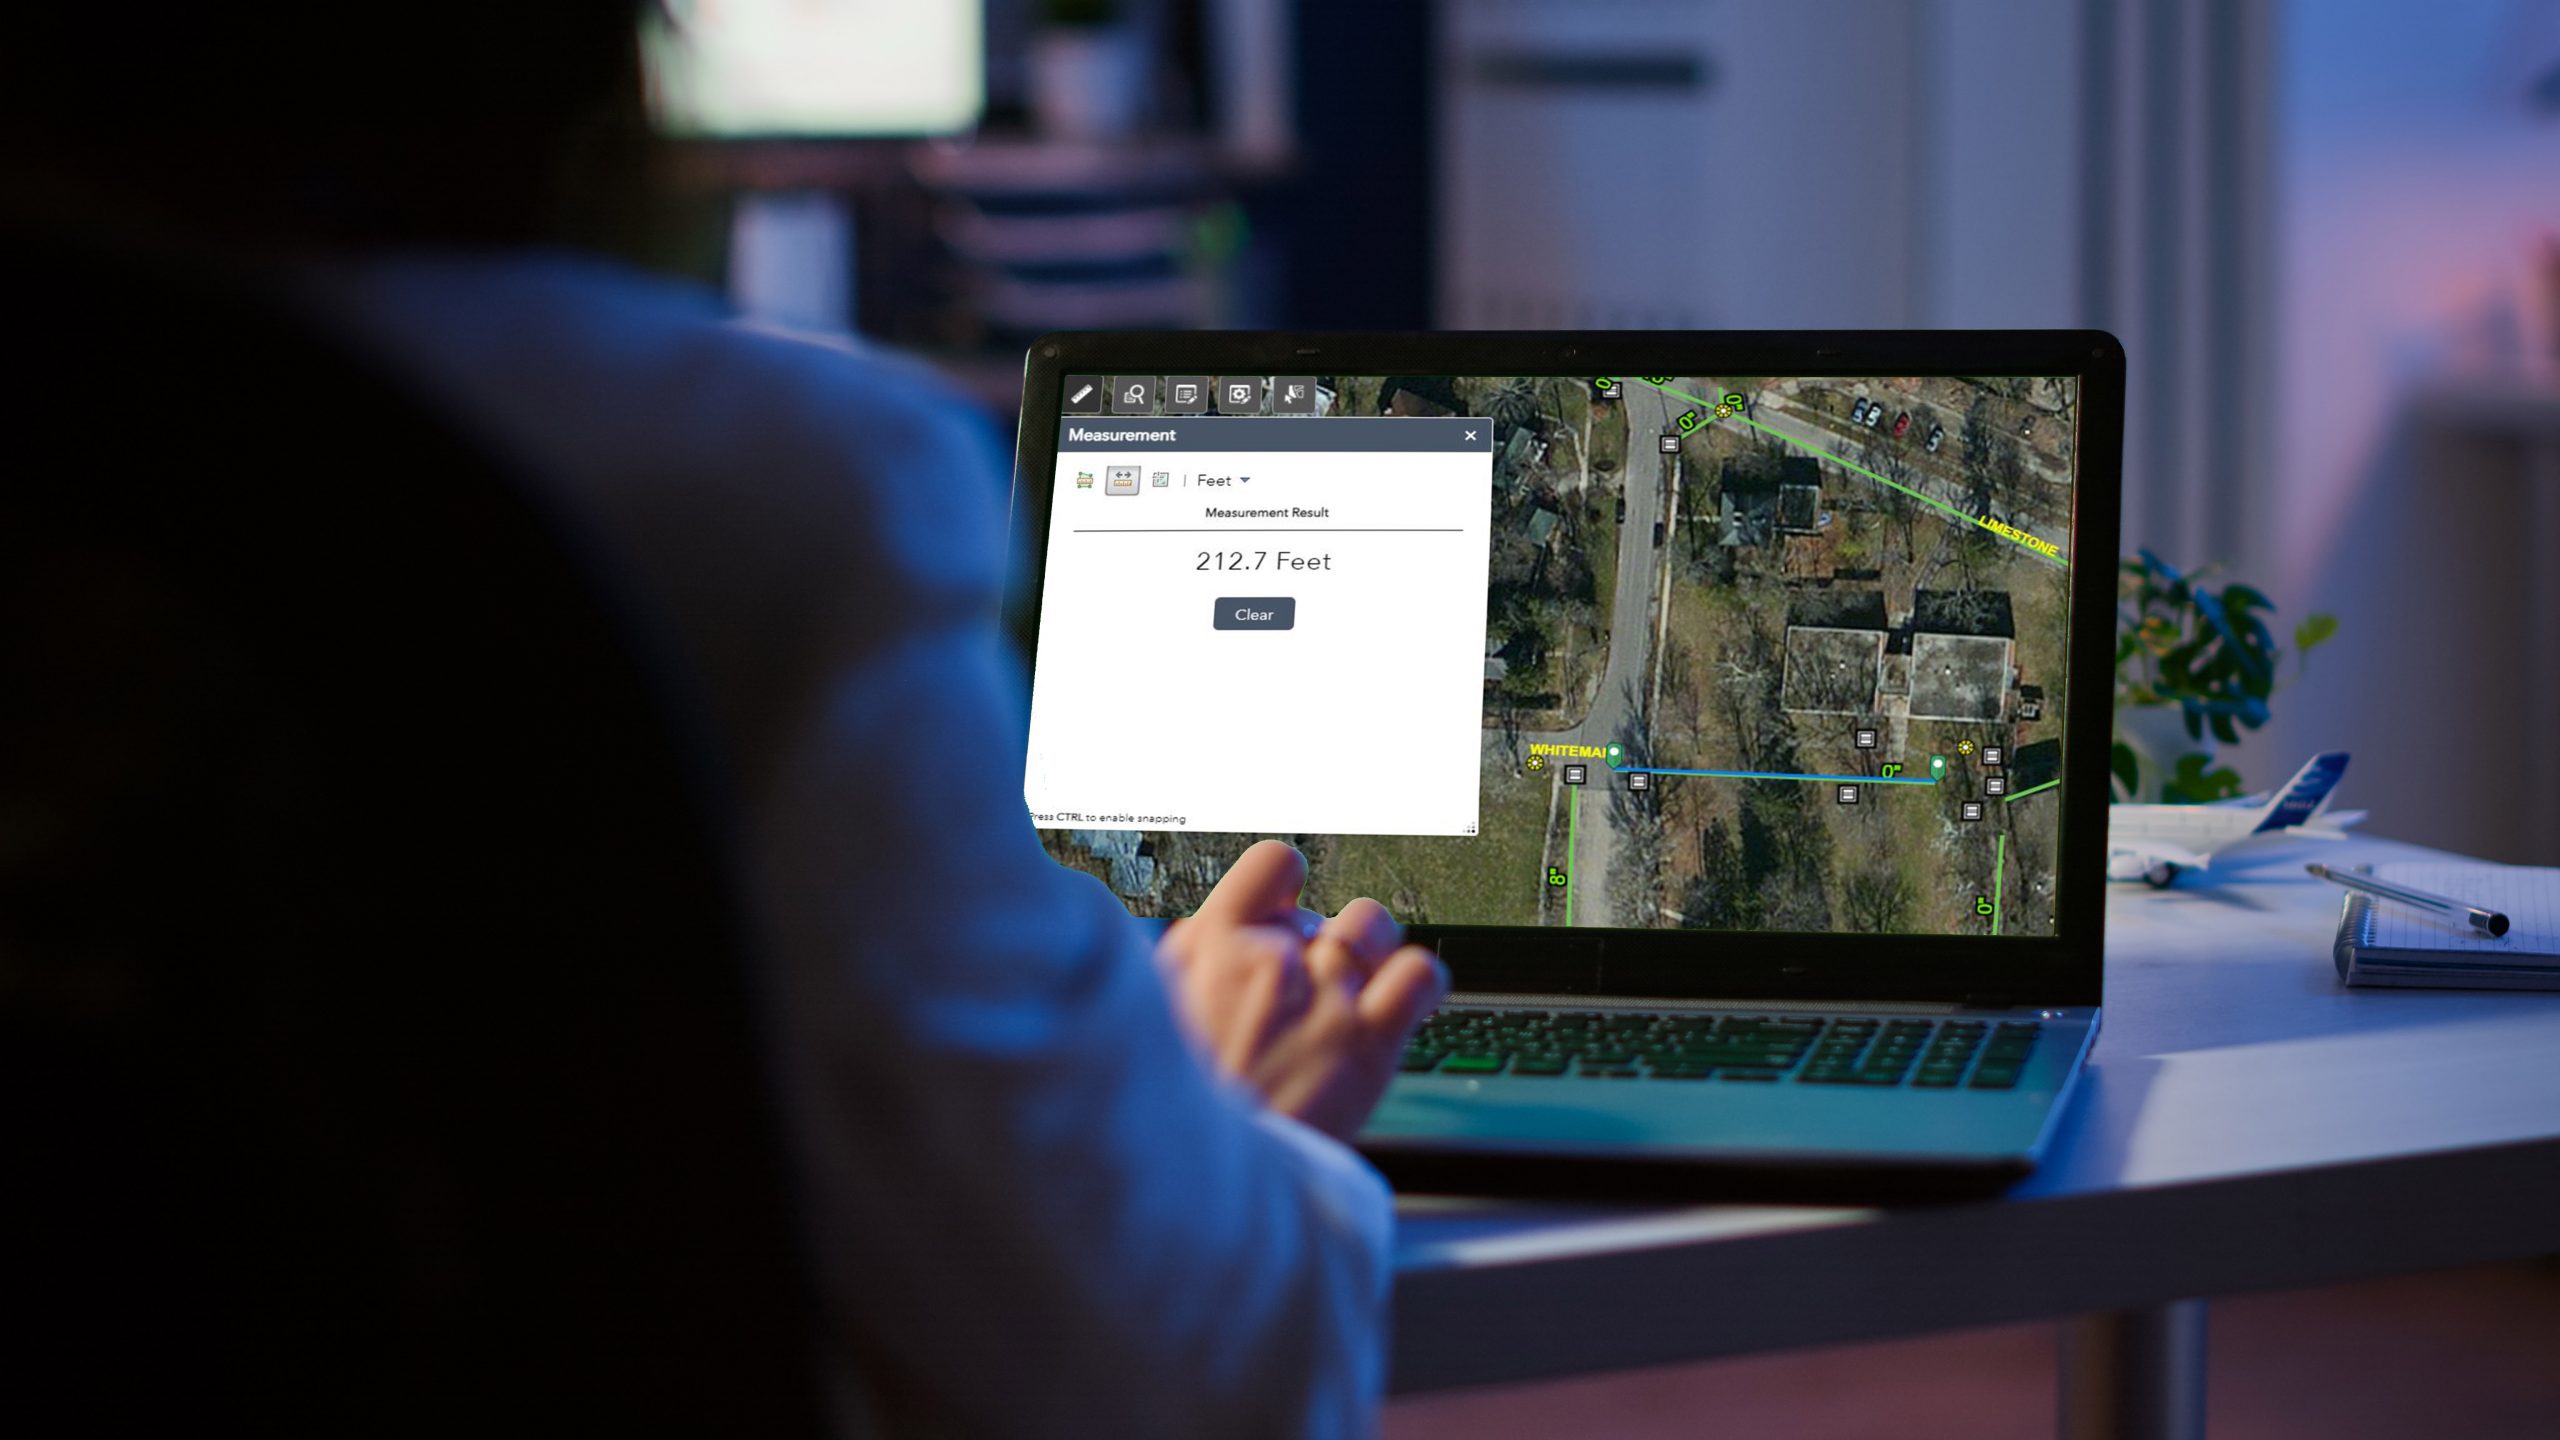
[(2487, 921)]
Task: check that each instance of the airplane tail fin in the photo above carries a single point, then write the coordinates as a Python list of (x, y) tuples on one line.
[(2309, 790)]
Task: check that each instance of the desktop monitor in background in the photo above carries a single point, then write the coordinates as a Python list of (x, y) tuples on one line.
[(816, 69)]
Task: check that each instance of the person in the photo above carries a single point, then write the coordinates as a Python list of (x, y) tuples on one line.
[(1013, 1150), (1056, 1179)]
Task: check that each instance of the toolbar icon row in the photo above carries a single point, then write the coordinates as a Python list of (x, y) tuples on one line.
[(1190, 395)]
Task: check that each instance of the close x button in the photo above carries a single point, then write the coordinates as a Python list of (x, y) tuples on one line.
[(1256, 612)]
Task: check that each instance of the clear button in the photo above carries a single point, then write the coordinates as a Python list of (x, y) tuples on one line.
[(1257, 612)]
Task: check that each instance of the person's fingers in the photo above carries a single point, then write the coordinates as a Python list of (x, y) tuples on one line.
[(1260, 888), (1332, 965), (1408, 986), (1292, 989), (1173, 949), (1276, 991), (1366, 929), (1306, 921), (1346, 952), (1226, 964), (1249, 987)]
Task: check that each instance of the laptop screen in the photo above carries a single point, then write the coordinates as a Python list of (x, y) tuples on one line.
[(1770, 653)]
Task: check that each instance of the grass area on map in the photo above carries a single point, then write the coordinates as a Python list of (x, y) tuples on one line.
[(1600, 543), (1490, 878)]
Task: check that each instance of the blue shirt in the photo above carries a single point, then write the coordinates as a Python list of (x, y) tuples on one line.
[(1033, 1208)]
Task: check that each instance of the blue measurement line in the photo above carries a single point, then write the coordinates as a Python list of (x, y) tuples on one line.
[(1773, 775)]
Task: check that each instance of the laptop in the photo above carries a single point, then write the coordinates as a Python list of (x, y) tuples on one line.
[(1731, 711)]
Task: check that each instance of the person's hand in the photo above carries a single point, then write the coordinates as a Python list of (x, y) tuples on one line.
[(1311, 1013)]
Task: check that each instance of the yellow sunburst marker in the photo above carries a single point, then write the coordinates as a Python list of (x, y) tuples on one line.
[(1964, 747), (1537, 763)]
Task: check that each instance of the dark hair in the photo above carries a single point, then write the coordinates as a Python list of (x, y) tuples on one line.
[(472, 121)]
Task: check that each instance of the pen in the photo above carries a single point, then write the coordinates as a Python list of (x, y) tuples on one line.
[(2488, 921)]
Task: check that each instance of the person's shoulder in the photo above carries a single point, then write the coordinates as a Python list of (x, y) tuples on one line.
[(645, 389), (569, 315), (912, 432)]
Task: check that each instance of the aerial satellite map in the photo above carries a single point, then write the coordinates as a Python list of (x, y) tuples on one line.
[(1760, 654)]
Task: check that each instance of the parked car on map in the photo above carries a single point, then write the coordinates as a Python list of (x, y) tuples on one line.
[(1875, 416), (1858, 412), (1937, 437), (1901, 423), (1657, 532), (1622, 509)]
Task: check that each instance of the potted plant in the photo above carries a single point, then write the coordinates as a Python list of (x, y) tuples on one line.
[(2194, 665), (1088, 80)]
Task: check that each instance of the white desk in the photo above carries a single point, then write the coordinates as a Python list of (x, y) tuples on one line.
[(2245, 1124)]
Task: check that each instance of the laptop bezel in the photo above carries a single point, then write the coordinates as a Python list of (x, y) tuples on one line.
[(2062, 969)]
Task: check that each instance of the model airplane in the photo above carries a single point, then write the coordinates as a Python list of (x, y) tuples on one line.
[(2155, 842)]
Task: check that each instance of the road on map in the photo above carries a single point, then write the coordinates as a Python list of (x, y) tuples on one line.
[(1626, 678)]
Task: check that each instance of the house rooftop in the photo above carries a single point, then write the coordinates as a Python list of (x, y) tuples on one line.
[(1960, 677), (1799, 508), (1830, 671)]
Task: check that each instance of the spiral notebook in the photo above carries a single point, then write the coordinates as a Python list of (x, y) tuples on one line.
[(2382, 943)]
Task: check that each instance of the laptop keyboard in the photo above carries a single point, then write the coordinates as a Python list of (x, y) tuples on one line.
[(1761, 1049)]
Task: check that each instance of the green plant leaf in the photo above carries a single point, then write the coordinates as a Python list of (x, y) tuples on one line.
[(2211, 653), (2128, 771), (2191, 783), (2210, 606)]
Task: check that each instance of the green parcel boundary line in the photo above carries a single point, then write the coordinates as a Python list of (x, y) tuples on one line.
[(1999, 880), (2038, 790), (1977, 521)]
